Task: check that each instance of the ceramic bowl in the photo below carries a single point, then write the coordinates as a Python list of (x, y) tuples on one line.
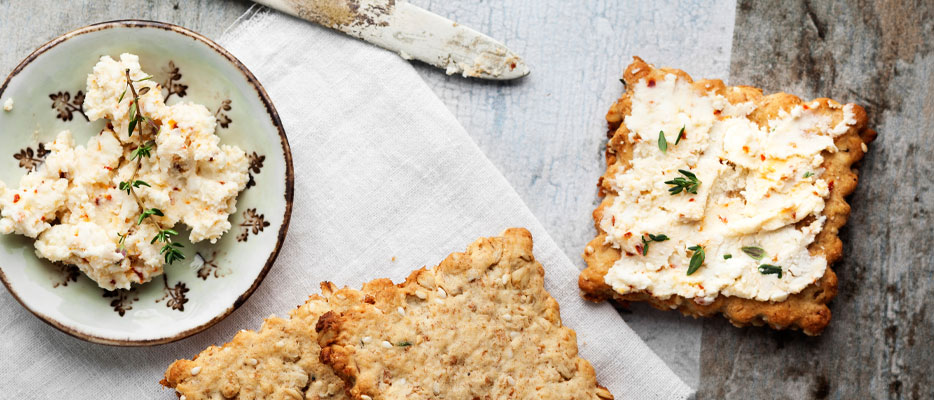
[(214, 279)]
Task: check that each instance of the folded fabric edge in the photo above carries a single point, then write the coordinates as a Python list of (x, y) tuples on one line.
[(257, 18)]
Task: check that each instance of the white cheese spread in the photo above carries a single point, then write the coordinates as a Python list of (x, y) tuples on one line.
[(756, 183), (72, 203)]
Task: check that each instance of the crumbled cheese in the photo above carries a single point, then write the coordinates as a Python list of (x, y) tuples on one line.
[(193, 179), (8, 104), (752, 193)]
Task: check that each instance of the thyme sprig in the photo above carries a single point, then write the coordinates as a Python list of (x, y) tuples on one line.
[(652, 238), (170, 249), (688, 183)]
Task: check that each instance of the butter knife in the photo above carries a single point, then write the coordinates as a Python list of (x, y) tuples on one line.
[(413, 33)]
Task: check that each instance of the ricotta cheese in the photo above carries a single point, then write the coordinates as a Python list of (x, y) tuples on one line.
[(72, 204), (758, 185)]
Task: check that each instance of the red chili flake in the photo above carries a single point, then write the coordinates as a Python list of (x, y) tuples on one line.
[(700, 286), (716, 112), (512, 66), (15, 198), (35, 191), (108, 197), (221, 182), (651, 82), (830, 185), (630, 254), (762, 157), (805, 106), (108, 168), (721, 218), (139, 274), (613, 221), (43, 218), (745, 149), (690, 200), (627, 235), (97, 201), (639, 249)]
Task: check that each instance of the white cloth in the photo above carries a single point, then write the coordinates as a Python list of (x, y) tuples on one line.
[(386, 181)]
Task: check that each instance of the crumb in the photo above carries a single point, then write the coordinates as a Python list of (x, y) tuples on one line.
[(8, 104)]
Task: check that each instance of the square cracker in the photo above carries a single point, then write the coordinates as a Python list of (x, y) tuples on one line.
[(806, 310), (479, 325)]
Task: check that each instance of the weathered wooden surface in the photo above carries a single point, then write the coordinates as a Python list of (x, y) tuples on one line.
[(880, 342)]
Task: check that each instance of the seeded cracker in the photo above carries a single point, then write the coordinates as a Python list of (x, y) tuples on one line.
[(280, 361), (478, 326), (760, 291)]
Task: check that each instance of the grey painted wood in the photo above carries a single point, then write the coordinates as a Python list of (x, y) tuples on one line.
[(545, 133), (880, 342)]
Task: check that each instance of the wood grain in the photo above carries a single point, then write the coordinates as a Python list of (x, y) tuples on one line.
[(880, 343)]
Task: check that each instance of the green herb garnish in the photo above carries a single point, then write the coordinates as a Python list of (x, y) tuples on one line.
[(767, 269), (808, 174), (170, 249), (652, 238), (128, 186), (662, 143), (680, 135), (727, 256), (756, 252), (688, 184), (144, 150), (404, 344), (697, 259), (148, 213)]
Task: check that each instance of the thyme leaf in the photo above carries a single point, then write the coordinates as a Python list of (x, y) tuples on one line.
[(756, 252), (652, 238), (697, 259), (662, 143), (767, 269)]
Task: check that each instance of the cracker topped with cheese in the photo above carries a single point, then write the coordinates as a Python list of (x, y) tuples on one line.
[(722, 199)]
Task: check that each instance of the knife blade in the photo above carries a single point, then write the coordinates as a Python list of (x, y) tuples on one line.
[(413, 33)]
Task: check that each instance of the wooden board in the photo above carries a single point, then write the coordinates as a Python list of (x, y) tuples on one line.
[(880, 342)]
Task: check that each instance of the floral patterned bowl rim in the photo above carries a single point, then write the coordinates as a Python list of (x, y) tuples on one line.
[(286, 153)]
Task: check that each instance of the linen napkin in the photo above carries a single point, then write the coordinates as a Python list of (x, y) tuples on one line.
[(386, 181)]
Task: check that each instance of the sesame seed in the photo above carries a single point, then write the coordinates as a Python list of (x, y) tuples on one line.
[(183, 398), (589, 250), (505, 278), (401, 311), (252, 361), (439, 301), (280, 344), (387, 345), (442, 293), (421, 294), (864, 147), (365, 397), (195, 370), (510, 380), (366, 339), (507, 317), (436, 387)]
